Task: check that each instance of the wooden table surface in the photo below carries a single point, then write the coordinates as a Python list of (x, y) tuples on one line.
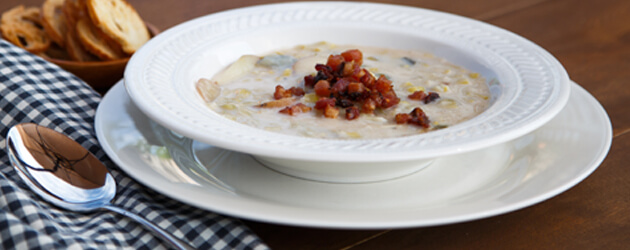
[(591, 39)]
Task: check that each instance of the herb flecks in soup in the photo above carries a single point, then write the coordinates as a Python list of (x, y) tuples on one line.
[(346, 92)]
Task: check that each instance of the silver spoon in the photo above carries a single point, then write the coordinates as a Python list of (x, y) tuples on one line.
[(64, 173)]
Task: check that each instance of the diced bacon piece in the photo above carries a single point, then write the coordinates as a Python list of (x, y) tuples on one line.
[(324, 102), (309, 81), (368, 106), (402, 118), (423, 96), (322, 88), (420, 118), (352, 113), (416, 117), (356, 90), (340, 87), (431, 97), (344, 103), (418, 95), (295, 109), (331, 112), (350, 69), (277, 103), (368, 79), (353, 55), (335, 62), (383, 84), (389, 99), (280, 93), (297, 91)]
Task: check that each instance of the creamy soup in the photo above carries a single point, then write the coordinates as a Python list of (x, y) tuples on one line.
[(241, 91)]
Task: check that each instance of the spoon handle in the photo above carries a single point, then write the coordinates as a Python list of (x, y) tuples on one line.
[(174, 242)]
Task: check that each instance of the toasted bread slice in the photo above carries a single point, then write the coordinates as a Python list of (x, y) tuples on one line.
[(21, 27), (75, 49), (96, 43), (54, 21), (73, 10), (120, 21)]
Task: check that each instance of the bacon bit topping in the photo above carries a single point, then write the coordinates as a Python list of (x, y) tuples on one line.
[(331, 112), (335, 62), (416, 116), (322, 88), (352, 113), (341, 83), (281, 92), (295, 91), (368, 106), (324, 102), (344, 103), (277, 103), (418, 95), (423, 96), (431, 97), (295, 109), (343, 79), (353, 55), (327, 105)]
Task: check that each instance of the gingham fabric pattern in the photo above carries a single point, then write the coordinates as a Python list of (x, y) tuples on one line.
[(33, 90)]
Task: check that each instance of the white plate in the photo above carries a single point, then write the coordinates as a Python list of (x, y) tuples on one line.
[(529, 85), (456, 188)]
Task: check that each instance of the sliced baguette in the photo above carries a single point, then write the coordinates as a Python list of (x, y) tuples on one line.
[(95, 43), (73, 10), (75, 49), (21, 27), (53, 21), (120, 21)]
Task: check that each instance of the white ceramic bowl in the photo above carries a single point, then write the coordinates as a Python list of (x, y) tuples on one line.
[(529, 86)]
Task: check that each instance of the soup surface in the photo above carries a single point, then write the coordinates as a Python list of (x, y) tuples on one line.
[(242, 91)]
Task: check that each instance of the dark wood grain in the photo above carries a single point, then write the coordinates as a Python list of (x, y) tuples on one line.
[(591, 39), (167, 13), (591, 215)]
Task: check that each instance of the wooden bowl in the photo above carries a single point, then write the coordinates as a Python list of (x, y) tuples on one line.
[(100, 75)]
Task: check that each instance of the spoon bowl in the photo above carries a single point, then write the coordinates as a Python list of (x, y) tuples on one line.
[(66, 174), (62, 173)]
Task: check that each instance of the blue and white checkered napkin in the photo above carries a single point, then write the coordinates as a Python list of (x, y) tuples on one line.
[(33, 90)]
